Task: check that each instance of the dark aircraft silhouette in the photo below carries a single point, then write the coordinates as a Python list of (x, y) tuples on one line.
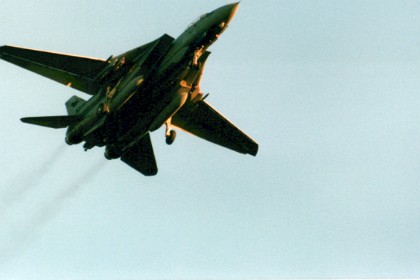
[(137, 92)]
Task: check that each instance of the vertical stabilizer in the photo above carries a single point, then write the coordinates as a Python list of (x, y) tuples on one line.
[(74, 105)]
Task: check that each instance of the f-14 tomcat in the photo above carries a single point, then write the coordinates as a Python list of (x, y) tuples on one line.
[(137, 92)]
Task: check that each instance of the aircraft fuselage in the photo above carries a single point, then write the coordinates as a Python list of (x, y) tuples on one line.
[(142, 101), (137, 92)]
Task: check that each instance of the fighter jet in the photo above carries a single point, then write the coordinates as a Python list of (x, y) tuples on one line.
[(135, 93)]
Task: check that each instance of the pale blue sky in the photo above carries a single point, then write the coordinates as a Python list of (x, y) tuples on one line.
[(329, 89)]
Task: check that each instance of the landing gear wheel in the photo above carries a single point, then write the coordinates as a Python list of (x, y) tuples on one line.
[(171, 137)]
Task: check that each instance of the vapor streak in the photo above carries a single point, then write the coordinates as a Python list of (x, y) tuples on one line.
[(28, 179), (20, 234)]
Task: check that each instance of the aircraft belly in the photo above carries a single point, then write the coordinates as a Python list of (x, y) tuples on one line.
[(170, 110), (151, 114), (119, 97)]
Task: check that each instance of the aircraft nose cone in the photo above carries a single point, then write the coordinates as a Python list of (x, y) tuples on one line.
[(228, 12), (231, 10)]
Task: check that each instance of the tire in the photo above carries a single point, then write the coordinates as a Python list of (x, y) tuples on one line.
[(171, 138)]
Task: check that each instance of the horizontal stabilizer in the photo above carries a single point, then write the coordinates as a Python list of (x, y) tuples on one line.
[(53, 121), (141, 157)]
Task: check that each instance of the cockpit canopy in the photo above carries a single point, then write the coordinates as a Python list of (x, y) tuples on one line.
[(198, 19)]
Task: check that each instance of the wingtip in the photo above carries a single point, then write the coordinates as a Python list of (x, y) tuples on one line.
[(154, 173), (254, 150), (150, 172)]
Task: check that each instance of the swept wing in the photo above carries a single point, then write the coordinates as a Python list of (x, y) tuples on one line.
[(75, 71), (205, 122)]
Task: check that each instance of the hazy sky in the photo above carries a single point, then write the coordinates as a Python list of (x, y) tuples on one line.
[(329, 89)]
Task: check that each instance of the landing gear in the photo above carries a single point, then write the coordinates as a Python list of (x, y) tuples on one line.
[(169, 134), (171, 137), (197, 53)]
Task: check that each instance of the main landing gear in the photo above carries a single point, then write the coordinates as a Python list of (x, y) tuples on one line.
[(171, 137), (169, 134)]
